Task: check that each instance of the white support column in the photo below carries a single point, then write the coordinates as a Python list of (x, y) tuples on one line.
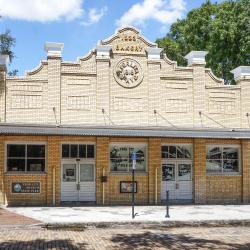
[(103, 81), (196, 60), (54, 56), (242, 78)]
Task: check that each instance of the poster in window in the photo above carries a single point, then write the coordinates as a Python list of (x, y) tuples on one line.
[(127, 187)]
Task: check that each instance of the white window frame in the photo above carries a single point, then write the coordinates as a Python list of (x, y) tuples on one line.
[(78, 143), (178, 159), (128, 144), (25, 143), (224, 146)]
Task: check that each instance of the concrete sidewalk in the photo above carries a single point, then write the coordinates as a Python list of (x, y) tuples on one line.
[(188, 214)]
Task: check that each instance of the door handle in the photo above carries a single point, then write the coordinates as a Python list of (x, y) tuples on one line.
[(78, 186), (177, 186)]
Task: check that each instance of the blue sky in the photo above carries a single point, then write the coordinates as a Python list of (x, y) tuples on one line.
[(79, 24)]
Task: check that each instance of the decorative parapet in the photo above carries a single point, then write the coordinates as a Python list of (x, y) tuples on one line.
[(54, 49), (196, 57)]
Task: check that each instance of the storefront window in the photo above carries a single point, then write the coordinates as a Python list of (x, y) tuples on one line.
[(26, 157), (222, 159), (183, 151), (78, 151), (120, 157)]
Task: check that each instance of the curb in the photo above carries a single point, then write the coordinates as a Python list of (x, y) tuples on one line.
[(147, 224)]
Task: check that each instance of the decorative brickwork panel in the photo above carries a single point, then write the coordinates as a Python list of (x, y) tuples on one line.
[(128, 104), (26, 102), (79, 102)]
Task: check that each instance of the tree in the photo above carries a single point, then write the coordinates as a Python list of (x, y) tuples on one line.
[(221, 29), (6, 44)]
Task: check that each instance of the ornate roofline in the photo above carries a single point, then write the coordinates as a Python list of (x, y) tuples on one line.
[(87, 56), (215, 78), (122, 29), (36, 69)]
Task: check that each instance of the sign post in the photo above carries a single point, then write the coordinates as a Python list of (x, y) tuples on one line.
[(133, 158)]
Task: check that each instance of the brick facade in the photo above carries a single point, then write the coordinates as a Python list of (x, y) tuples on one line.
[(207, 188)]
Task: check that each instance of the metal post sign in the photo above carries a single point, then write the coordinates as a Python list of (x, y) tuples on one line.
[(133, 158)]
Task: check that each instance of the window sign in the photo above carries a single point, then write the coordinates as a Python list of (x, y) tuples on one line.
[(121, 157), (168, 172), (222, 159)]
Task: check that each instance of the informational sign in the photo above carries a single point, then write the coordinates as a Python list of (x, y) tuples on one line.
[(25, 187), (127, 187)]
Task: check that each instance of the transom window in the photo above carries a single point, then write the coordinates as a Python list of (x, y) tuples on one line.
[(78, 151), (25, 157), (182, 151), (120, 157), (222, 159)]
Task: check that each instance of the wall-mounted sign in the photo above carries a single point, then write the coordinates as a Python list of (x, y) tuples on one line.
[(25, 187), (127, 187), (128, 73)]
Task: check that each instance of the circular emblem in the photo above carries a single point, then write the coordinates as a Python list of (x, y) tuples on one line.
[(128, 73), (17, 188)]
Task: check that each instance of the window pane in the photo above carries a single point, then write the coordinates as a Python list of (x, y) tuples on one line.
[(65, 150), (213, 152), (86, 172), (172, 152), (214, 166), (230, 166), (164, 152), (16, 164), (73, 151), (36, 165), (90, 151), (69, 172), (168, 172), (82, 151), (36, 151), (184, 172), (230, 153), (184, 151), (15, 150)]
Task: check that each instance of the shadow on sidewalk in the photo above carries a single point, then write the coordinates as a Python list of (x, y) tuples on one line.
[(41, 244), (148, 241)]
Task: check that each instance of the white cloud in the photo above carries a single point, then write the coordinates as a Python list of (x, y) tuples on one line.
[(163, 11), (41, 10), (94, 16)]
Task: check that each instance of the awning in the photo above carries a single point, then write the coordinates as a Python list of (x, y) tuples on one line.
[(123, 131)]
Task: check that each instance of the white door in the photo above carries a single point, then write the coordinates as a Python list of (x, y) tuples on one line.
[(177, 179), (77, 181)]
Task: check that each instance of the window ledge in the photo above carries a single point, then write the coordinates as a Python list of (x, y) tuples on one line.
[(227, 174), (128, 173), (25, 173)]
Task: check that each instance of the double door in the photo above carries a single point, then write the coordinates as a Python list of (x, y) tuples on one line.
[(78, 181), (177, 179)]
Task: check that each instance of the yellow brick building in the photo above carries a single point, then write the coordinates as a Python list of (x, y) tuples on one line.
[(68, 129)]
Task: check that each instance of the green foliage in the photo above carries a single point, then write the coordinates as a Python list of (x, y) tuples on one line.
[(221, 29), (13, 72), (6, 44)]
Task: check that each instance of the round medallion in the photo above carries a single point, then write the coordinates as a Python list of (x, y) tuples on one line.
[(17, 188), (128, 73)]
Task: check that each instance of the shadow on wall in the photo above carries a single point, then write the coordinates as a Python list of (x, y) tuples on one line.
[(148, 241)]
